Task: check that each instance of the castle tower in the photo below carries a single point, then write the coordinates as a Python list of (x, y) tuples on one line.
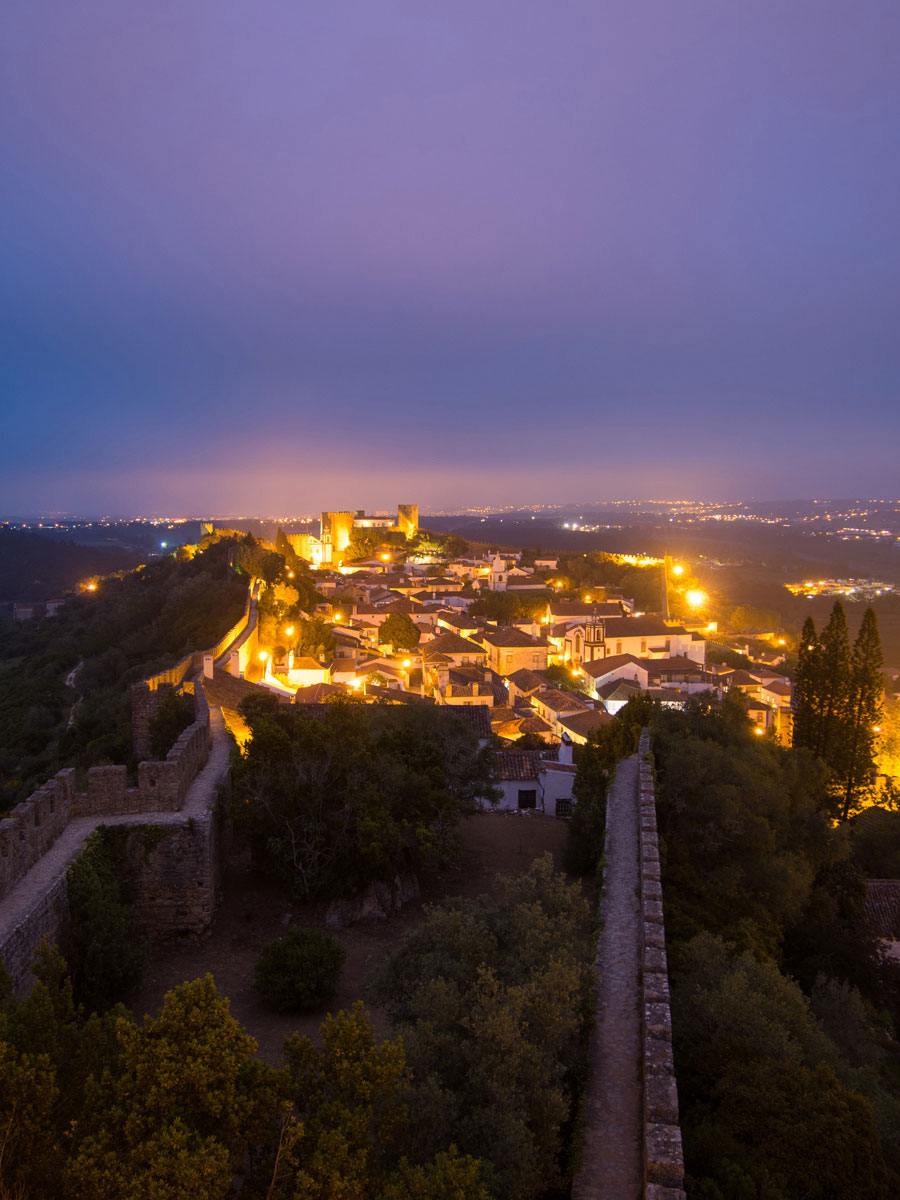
[(337, 528), (408, 519)]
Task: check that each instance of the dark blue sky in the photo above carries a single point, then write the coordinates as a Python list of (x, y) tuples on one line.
[(276, 256)]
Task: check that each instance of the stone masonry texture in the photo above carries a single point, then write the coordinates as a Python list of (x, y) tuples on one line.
[(632, 1137)]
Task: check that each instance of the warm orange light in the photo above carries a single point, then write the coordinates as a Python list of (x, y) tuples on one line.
[(337, 616), (385, 557), (696, 598), (92, 587), (263, 655), (290, 574), (678, 569), (758, 730), (290, 631), (407, 663), (587, 599), (356, 683)]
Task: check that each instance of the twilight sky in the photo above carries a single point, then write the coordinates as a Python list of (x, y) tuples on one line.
[(275, 256)]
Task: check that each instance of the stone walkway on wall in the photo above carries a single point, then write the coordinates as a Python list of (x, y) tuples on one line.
[(54, 864), (612, 1159)]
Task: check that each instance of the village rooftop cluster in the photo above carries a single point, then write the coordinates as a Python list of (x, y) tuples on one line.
[(557, 675)]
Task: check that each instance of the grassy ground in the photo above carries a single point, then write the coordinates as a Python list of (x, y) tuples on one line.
[(253, 912)]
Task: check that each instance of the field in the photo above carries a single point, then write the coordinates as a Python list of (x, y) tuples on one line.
[(253, 912)]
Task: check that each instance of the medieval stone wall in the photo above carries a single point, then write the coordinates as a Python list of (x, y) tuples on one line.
[(31, 828), (46, 917), (176, 876), (663, 1155), (147, 696)]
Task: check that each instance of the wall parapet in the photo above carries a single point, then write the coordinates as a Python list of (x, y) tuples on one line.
[(148, 695), (32, 827), (663, 1152)]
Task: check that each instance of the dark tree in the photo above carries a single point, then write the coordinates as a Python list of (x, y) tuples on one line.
[(864, 709), (400, 631), (805, 698)]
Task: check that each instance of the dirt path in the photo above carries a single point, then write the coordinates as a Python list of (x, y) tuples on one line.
[(611, 1163)]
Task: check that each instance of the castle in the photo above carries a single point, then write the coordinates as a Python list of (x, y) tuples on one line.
[(336, 530)]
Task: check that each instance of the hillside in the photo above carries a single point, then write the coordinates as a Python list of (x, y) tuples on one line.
[(34, 566)]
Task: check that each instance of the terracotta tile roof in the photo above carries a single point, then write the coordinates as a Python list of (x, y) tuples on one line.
[(527, 681), (449, 643), (315, 693), (476, 715), (883, 907), (306, 663), (584, 608), (501, 713), (742, 678), (676, 663), (583, 723), (560, 702), (507, 638), (618, 689), (521, 765), (602, 666), (622, 627)]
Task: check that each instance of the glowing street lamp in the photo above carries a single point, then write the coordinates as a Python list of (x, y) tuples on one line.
[(696, 598), (289, 631), (678, 569)]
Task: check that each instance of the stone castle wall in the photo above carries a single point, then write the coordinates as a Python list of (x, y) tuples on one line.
[(46, 917), (663, 1155), (147, 696), (32, 827)]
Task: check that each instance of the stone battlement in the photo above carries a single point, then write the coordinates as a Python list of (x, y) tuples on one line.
[(32, 827)]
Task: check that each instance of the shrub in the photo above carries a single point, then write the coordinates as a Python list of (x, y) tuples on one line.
[(299, 970)]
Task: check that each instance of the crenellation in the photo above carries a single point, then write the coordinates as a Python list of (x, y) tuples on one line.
[(177, 881)]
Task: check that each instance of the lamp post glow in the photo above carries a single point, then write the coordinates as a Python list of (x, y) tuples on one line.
[(696, 598)]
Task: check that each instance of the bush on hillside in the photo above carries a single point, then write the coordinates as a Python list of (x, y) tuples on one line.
[(300, 970)]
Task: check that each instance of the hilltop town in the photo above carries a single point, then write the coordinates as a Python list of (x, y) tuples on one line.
[(395, 614)]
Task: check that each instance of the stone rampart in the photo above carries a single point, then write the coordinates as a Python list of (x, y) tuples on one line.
[(31, 828), (147, 696), (663, 1155), (46, 918)]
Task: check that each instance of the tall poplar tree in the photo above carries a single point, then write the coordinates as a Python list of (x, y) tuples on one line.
[(866, 693)]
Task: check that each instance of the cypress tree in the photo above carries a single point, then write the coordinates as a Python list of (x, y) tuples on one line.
[(834, 691), (866, 693), (805, 700)]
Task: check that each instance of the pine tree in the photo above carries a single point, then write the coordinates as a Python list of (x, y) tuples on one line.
[(866, 693)]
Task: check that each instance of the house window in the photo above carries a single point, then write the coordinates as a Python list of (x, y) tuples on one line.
[(668, 645), (528, 798), (643, 645), (564, 807), (618, 647)]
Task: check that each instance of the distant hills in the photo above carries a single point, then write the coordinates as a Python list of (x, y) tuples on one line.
[(36, 567)]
